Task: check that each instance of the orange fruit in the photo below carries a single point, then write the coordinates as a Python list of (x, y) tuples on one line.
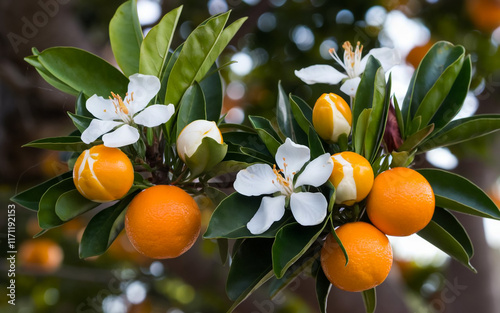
[(484, 14), (42, 255), (163, 222), (416, 54), (352, 177), (401, 202), (103, 174), (332, 117), (369, 253)]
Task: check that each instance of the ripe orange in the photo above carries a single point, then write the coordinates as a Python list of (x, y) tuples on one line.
[(401, 202), (42, 254), (332, 117), (103, 174), (369, 253), (352, 177), (163, 222)]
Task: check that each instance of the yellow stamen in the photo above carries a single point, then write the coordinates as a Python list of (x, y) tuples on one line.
[(280, 177), (119, 105)]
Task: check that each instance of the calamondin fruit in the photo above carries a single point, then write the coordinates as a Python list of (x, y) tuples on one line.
[(332, 117), (352, 177), (103, 174)]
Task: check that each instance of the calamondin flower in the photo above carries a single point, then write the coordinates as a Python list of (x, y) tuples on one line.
[(282, 186), (117, 118), (353, 65)]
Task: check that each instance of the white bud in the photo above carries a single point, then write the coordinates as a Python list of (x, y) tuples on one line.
[(191, 136)]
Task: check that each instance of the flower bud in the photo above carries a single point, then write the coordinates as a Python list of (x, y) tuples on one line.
[(200, 146), (332, 117)]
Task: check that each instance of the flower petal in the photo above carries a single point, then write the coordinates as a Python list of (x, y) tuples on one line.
[(271, 210), (101, 108), (256, 180), (155, 115), (123, 136), (293, 155), (96, 129), (142, 88), (316, 172), (386, 56), (325, 74), (350, 86), (308, 208)]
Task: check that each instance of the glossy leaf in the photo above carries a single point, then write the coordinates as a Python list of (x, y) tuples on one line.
[(246, 139), (399, 117), (212, 90), (291, 242), (251, 268), (72, 204), (48, 77), (370, 300), (155, 47), (80, 122), (226, 167), (30, 198), (191, 108), (378, 116), (462, 130), (81, 106), (230, 219), (296, 271), (457, 193), (47, 217), (323, 287), (208, 155), (359, 133), (125, 36), (287, 123), (305, 110), (83, 71), (103, 228), (315, 144), (172, 58), (446, 233), (417, 138), (267, 133), (70, 143)]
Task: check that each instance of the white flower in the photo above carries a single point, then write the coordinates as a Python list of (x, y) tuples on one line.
[(353, 65), (260, 179), (117, 118)]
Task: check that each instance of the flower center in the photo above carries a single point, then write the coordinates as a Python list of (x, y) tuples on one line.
[(121, 108), (352, 58), (285, 181)]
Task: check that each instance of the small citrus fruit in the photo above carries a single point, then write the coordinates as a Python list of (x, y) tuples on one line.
[(42, 255), (401, 202), (192, 135), (369, 253), (103, 174), (332, 117), (352, 177), (163, 222)]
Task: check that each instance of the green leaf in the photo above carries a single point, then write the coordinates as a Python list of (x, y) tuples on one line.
[(83, 71), (399, 117), (191, 108), (302, 112), (212, 90), (69, 143), (30, 198), (225, 167), (267, 133), (378, 116), (446, 233), (230, 219), (462, 130), (155, 47), (81, 106), (250, 269), (417, 138), (284, 114), (291, 242), (457, 193), (172, 58), (200, 51), (48, 77), (432, 82), (72, 204), (206, 157), (359, 133), (125, 35), (223, 245), (103, 228), (276, 285), (47, 217), (81, 122), (246, 139), (315, 144), (370, 300), (323, 287)]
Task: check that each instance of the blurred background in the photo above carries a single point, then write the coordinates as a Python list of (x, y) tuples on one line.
[(280, 36)]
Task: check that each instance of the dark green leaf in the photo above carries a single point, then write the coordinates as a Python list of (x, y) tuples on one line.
[(81, 106), (446, 233), (225, 167), (414, 140), (47, 217), (155, 47), (230, 219), (71, 204), (48, 77), (172, 58), (323, 287), (83, 71), (301, 110), (223, 245), (212, 89), (267, 133), (192, 107), (70, 143), (399, 117), (206, 157), (315, 144), (370, 300), (251, 268), (378, 116), (30, 198), (81, 122), (366, 88), (291, 242), (284, 114), (296, 271), (462, 130), (457, 193), (359, 133), (103, 228), (246, 139), (125, 35)]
